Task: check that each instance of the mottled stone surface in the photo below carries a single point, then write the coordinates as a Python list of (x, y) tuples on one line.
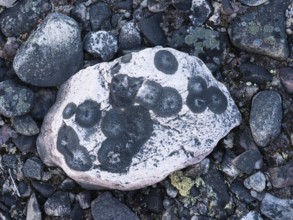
[(282, 176), (152, 112)]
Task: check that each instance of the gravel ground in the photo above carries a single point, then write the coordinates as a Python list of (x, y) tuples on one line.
[(247, 44)]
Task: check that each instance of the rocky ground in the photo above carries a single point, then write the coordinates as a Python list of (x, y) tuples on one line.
[(247, 44)]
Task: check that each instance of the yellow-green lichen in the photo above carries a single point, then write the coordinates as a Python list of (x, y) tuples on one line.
[(181, 182)]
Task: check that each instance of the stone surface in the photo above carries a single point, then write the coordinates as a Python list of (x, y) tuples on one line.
[(23, 17), (129, 37), (286, 77), (200, 12), (282, 176), (155, 120), (247, 161), (102, 44), (44, 189), (253, 2), (15, 99), (106, 207), (33, 168), (58, 204), (84, 199), (275, 208), (58, 40), (8, 3), (242, 193), (261, 34), (33, 209), (254, 73), (256, 182), (252, 215), (99, 13), (265, 117), (25, 125), (25, 143)]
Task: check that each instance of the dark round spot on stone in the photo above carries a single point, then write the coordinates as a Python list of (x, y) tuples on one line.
[(196, 85), (78, 159), (88, 114), (166, 62), (112, 124), (217, 101), (115, 69), (123, 89), (67, 139), (197, 103), (138, 123), (149, 93), (114, 156), (170, 103), (126, 58), (69, 110)]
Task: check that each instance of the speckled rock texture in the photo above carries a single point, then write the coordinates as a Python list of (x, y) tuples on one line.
[(51, 54), (8, 3), (129, 123)]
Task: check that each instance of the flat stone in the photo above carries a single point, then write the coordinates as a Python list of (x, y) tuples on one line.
[(247, 161), (257, 32), (253, 2), (106, 207), (58, 205), (23, 17), (242, 193), (146, 112), (33, 168), (254, 74), (25, 125), (275, 208), (64, 50), (265, 117), (15, 99), (33, 209), (25, 143), (286, 77), (282, 176), (256, 182)]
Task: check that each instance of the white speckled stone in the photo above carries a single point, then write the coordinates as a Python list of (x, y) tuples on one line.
[(176, 141), (8, 3)]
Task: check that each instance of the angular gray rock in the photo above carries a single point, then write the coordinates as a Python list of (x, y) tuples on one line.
[(25, 125), (51, 54), (58, 204), (282, 176), (33, 209), (256, 182), (265, 117), (275, 208), (286, 77), (261, 34), (154, 111), (8, 3)]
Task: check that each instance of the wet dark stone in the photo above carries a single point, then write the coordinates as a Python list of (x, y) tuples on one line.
[(44, 189), (247, 161), (170, 103), (166, 62), (194, 191), (154, 201), (123, 89), (69, 110), (15, 99), (266, 117), (106, 207), (88, 114), (25, 143), (150, 28), (58, 204), (44, 99), (197, 103), (23, 17), (129, 37), (286, 76), (33, 168), (99, 13), (241, 192), (112, 124), (255, 74), (3, 72), (282, 176), (9, 161), (217, 101)]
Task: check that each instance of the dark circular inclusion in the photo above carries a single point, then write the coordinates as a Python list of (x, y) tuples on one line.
[(170, 103), (166, 62), (69, 110), (196, 85), (217, 101), (88, 114), (112, 124), (197, 103)]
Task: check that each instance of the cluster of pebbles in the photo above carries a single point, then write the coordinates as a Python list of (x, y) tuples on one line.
[(107, 95)]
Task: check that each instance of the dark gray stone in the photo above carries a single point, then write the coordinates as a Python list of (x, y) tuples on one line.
[(9, 161), (3, 72), (242, 193), (58, 205), (33, 168), (33, 209), (265, 117), (76, 212), (254, 73), (25, 125), (253, 2), (154, 201), (227, 166), (208, 45), (184, 5), (286, 77), (257, 32), (84, 199), (44, 189), (122, 4), (8, 3), (158, 6), (129, 37), (102, 44), (15, 99), (99, 13), (106, 207), (282, 176), (247, 161), (4, 215), (63, 50), (150, 28), (24, 189), (25, 143), (275, 208), (23, 17), (200, 11), (252, 215), (67, 184)]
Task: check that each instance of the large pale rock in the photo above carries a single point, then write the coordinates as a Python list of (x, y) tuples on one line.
[(129, 123)]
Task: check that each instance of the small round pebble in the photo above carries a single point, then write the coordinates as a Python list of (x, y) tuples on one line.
[(256, 182)]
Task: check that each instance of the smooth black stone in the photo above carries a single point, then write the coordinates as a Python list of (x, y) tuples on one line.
[(255, 74), (194, 191), (99, 13), (154, 201), (247, 160), (25, 143), (241, 192), (166, 62), (9, 161), (44, 189), (58, 204), (33, 168), (106, 207), (150, 28)]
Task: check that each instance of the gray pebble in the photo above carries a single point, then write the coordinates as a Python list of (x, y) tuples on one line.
[(25, 125), (33, 168), (282, 176), (256, 182), (84, 199), (253, 2), (255, 74), (129, 37), (247, 161), (33, 209), (58, 205), (99, 13)]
